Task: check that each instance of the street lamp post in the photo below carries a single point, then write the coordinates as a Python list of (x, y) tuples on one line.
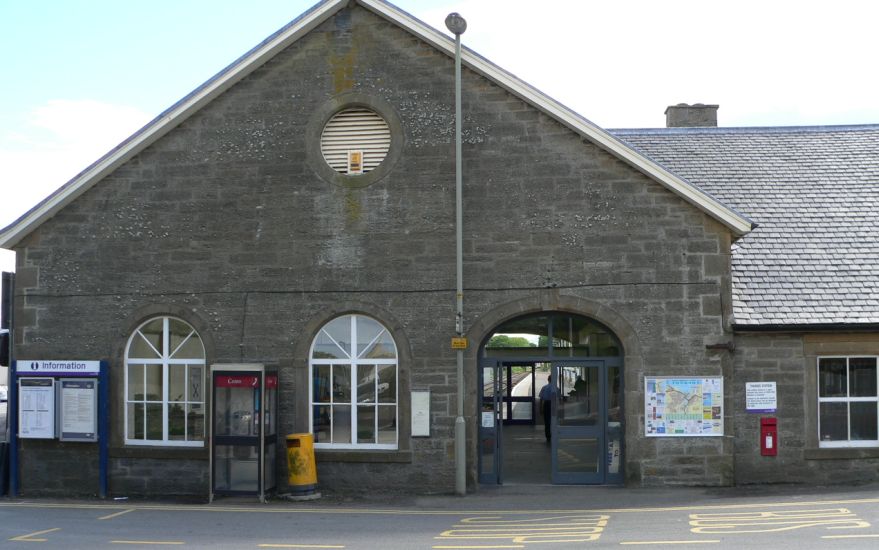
[(457, 25)]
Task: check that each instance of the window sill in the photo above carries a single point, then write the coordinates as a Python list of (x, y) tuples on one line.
[(349, 455), (841, 453), (171, 452)]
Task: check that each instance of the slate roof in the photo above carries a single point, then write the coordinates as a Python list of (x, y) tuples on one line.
[(813, 193)]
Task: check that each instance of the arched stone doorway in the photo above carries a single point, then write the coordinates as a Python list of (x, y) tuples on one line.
[(578, 437)]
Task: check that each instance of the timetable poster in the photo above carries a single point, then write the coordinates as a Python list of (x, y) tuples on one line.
[(36, 408)]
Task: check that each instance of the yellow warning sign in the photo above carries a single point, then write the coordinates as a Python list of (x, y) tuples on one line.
[(459, 343)]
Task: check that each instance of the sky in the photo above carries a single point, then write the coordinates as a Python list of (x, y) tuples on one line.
[(79, 76)]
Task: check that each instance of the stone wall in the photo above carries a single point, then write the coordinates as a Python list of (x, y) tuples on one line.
[(227, 223), (58, 469), (790, 360)]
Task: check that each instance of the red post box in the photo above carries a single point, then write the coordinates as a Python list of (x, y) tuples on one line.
[(768, 436)]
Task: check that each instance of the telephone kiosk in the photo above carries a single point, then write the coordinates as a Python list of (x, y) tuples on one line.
[(244, 436)]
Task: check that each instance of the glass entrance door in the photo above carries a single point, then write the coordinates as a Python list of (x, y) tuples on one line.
[(489, 430), (579, 419), (586, 421)]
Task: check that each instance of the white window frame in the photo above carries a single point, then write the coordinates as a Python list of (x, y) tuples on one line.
[(354, 362), (165, 361), (848, 400)]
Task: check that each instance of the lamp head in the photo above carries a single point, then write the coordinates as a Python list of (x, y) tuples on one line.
[(456, 23)]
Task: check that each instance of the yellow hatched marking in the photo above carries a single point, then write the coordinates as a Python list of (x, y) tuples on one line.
[(547, 529), (27, 538), (769, 522), (117, 514)]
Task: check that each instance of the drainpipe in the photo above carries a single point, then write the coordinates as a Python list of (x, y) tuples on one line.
[(457, 25)]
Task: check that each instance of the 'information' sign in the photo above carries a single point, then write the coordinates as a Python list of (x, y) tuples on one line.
[(57, 368)]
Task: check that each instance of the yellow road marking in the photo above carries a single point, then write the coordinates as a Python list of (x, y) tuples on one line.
[(298, 546), (654, 542), (117, 514), (772, 522), (514, 546), (27, 538), (154, 542), (850, 537), (543, 529)]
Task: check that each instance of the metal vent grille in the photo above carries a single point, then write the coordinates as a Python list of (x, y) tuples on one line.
[(355, 129)]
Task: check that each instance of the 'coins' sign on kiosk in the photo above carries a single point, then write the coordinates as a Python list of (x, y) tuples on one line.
[(244, 430)]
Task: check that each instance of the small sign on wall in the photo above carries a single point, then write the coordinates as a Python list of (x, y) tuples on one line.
[(761, 397), (488, 419), (420, 414)]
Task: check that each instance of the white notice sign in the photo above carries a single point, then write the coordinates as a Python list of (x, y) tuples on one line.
[(79, 419), (761, 397), (420, 414), (488, 420), (36, 408)]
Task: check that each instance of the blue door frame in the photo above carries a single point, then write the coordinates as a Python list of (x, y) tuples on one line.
[(587, 426)]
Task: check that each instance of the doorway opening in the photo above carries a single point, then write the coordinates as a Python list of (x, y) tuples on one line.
[(550, 403)]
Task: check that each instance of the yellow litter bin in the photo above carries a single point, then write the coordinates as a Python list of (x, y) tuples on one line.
[(301, 470)]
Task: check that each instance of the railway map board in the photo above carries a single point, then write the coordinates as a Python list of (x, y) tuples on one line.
[(683, 407)]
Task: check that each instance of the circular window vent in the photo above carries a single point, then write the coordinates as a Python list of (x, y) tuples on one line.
[(355, 141)]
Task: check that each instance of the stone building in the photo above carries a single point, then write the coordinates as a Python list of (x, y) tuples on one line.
[(297, 211)]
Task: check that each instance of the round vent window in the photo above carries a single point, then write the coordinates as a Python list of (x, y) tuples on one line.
[(355, 141)]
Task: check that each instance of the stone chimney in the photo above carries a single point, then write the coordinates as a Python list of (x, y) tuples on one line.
[(690, 116)]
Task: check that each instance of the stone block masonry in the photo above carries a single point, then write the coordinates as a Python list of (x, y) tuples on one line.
[(227, 223)]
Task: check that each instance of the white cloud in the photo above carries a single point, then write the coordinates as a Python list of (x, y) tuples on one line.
[(54, 142)]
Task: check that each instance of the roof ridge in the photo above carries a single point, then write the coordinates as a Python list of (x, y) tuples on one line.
[(747, 129)]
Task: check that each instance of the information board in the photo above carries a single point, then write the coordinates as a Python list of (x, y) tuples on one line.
[(683, 407), (36, 408), (79, 409)]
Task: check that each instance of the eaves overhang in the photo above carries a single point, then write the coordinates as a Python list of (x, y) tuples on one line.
[(258, 56), (806, 327)]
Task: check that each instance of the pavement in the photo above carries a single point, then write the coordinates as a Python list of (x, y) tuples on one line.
[(526, 497), (555, 497)]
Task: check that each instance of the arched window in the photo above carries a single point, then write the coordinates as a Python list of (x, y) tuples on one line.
[(164, 385), (353, 375)]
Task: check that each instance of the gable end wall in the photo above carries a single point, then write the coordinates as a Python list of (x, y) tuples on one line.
[(226, 223)]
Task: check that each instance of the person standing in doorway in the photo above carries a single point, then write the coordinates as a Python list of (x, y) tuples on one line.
[(546, 393)]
